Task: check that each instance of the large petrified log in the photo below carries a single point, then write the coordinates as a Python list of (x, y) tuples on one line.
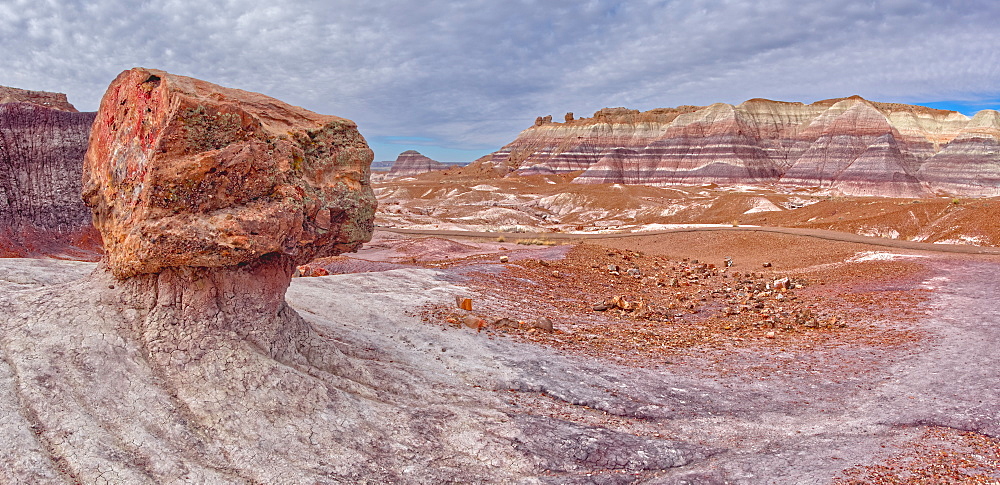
[(184, 173), (208, 197)]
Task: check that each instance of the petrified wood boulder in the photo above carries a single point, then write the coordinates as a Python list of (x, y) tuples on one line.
[(207, 198), (184, 173)]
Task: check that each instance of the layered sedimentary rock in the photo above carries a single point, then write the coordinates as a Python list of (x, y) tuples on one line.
[(970, 163), (184, 173), (411, 162), (854, 151), (41, 98), (850, 146), (42, 143)]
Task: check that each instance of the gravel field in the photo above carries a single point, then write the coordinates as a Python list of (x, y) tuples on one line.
[(803, 361), (898, 390)]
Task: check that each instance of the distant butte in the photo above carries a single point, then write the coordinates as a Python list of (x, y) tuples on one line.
[(41, 98), (411, 162), (848, 146)]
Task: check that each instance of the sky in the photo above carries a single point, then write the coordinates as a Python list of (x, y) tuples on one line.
[(456, 79)]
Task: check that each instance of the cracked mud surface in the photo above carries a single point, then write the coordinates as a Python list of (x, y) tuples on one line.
[(804, 406), (451, 404)]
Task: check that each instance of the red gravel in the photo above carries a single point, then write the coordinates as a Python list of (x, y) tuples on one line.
[(940, 456), (873, 307), (711, 309)]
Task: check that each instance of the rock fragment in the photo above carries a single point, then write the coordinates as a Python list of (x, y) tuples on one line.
[(543, 323), (184, 173), (463, 303), (505, 323), (473, 321)]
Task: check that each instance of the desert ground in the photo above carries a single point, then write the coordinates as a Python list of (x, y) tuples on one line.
[(537, 343), (874, 367), (205, 284)]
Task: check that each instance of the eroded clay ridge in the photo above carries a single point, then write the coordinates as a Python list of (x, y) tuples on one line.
[(42, 142), (850, 146), (412, 162)]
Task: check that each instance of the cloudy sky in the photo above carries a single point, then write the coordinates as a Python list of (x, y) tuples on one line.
[(458, 79)]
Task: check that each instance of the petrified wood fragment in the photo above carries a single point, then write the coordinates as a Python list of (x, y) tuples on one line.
[(184, 173)]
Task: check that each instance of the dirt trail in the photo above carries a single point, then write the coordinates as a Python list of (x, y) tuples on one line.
[(813, 233), (952, 382)]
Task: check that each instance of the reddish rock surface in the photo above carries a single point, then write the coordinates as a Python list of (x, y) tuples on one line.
[(42, 143), (184, 173), (849, 146), (411, 162)]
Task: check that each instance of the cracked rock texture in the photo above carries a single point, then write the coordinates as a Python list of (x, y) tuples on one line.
[(182, 172), (97, 386), (377, 396)]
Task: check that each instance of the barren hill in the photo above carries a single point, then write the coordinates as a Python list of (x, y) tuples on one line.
[(849, 146), (412, 162), (42, 142)]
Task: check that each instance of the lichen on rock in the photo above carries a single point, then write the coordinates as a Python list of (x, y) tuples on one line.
[(184, 173)]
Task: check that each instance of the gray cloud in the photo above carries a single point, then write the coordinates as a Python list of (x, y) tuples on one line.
[(463, 77)]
